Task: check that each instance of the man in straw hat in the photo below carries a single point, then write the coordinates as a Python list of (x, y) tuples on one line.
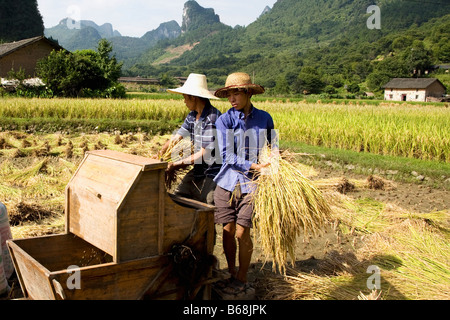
[(199, 126), (242, 132)]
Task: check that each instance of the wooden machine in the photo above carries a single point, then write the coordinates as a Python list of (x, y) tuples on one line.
[(125, 238)]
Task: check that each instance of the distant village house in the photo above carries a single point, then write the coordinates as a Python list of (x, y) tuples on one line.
[(414, 89), (25, 54), (147, 81)]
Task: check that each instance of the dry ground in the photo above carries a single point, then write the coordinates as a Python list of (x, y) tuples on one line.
[(313, 252)]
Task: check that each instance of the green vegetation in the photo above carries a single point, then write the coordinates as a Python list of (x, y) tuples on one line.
[(20, 19), (317, 47), (85, 73)]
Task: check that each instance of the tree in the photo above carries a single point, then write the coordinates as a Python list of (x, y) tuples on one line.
[(282, 85), (353, 87), (81, 73), (108, 64), (417, 58), (308, 82), (20, 19), (167, 81), (376, 80)]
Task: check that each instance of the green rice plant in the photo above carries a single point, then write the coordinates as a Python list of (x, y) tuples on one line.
[(93, 109)]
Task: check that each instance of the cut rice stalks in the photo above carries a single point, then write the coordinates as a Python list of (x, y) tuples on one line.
[(286, 204), (177, 151)]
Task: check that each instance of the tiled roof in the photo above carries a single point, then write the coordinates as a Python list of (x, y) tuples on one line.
[(410, 83), (8, 48)]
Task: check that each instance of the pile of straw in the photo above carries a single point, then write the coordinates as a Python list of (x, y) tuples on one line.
[(286, 204)]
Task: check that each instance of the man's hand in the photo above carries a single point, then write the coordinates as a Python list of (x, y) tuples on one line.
[(259, 166)]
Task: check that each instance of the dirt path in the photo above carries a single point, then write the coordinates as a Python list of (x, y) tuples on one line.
[(409, 196)]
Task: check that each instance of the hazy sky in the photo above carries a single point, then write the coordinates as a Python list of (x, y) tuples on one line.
[(135, 17)]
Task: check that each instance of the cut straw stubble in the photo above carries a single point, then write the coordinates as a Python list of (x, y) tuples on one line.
[(286, 205)]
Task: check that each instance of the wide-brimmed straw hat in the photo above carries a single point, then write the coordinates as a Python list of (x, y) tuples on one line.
[(239, 80), (195, 85)]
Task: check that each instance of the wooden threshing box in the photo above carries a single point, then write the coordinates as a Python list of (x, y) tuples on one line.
[(126, 237)]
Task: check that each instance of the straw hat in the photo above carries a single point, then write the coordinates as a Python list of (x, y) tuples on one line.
[(195, 85), (239, 80)]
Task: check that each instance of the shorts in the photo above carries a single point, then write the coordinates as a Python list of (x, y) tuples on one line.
[(233, 207), (200, 189)]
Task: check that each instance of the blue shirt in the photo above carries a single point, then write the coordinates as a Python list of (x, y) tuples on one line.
[(240, 141), (202, 133)]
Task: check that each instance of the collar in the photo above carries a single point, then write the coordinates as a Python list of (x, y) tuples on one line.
[(205, 112), (250, 115)]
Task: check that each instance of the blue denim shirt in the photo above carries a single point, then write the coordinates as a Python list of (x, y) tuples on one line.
[(240, 140)]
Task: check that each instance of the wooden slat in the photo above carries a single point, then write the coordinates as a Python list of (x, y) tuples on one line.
[(124, 281), (138, 218), (161, 213), (145, 163), (34, 277)]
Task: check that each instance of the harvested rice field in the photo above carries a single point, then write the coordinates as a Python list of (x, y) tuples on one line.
[(384, 239)]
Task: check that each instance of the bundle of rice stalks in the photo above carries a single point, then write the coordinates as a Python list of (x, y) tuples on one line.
[(177, 151), (286, 203), (341, 185), (22, 177), (378, 183)]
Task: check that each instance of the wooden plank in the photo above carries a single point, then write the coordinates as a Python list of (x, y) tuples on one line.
[(146, 164), (67, 209), (124, 281), (157, 282), (112, 179), (34, 276), (93, 219), (161, 211), (179, 223), (139, 218), (103, 281), (62, 251), (12, 248), (192, 203)]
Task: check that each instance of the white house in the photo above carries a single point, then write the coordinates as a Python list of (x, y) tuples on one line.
[(413, 89)]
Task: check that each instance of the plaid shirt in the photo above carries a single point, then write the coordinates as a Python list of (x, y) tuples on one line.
[(202, 133)]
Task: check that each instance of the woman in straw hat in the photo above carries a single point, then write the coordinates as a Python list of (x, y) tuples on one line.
[(242, 132), (199, 127)]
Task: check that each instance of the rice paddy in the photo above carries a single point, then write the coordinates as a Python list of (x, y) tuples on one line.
[(410, 247), (415, 131)]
